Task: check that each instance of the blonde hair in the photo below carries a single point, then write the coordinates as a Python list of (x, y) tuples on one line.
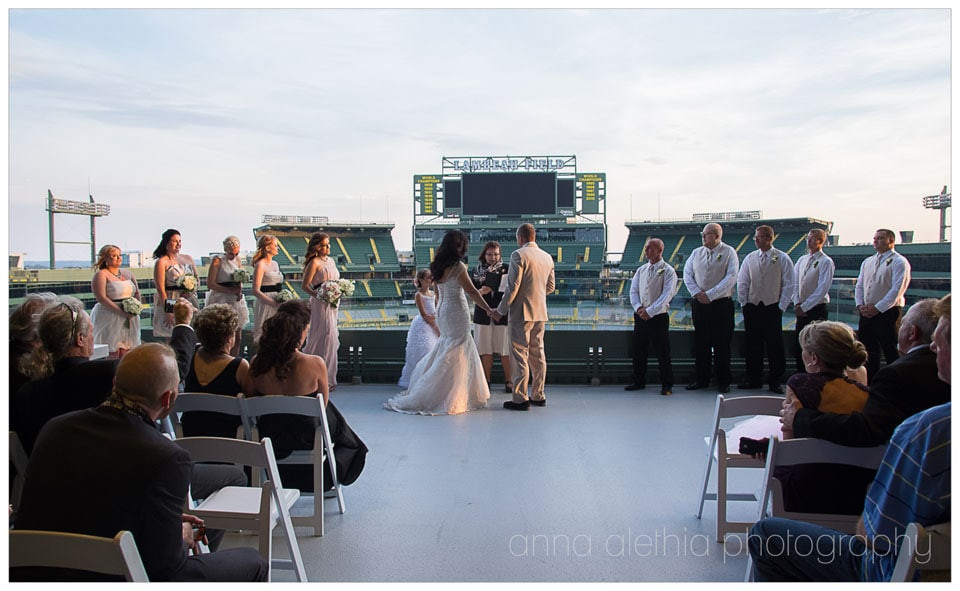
[(262, 243), (835, 345), (231, 241), (103, 254)]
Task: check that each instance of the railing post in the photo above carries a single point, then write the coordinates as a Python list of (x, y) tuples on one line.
[(358, 366), (601, 361)]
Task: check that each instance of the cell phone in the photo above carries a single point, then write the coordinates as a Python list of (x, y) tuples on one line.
[(168, 306), (752, 447), (199, 533)]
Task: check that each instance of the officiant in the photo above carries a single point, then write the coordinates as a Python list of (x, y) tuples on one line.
[(491, 336)]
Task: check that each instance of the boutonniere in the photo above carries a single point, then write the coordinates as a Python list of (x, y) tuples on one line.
[(815, 263), (775, 258), (662, 269), (719, 256), (889, 261)]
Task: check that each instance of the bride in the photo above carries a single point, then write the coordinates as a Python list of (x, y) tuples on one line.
[(449, 380)]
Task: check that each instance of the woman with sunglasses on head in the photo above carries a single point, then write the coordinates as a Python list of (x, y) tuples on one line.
[(112, 324)]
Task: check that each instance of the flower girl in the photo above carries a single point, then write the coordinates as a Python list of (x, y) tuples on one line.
[(423, 333)]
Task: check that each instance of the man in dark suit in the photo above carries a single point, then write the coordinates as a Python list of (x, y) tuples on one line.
[(76, 382), (105, 469), (183, 339), (897, 391)]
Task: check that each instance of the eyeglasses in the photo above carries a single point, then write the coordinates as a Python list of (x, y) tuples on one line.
[(74, 315)]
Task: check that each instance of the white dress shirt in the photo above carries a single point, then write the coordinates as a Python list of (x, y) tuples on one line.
[(766, 277), (883, 280), (653, 287), (813, 275), (712, 271)]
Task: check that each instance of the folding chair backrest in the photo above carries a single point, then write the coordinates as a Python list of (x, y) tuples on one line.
[(794, 452), (748, 405), (204, 401), (307, 406), (234, 451), (923, 549), (116, 556)]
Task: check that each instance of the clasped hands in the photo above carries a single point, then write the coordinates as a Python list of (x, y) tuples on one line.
[(868, 310), (191, 538), (495, 315)]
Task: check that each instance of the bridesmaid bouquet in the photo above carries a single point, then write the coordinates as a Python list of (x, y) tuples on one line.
[(332, 290), (284, 295), (240, 276), (187, 282), (131, 306)]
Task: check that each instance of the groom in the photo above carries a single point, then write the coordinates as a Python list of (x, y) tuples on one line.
[(525, 298)]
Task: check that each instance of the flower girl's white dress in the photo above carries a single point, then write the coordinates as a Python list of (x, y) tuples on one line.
[(420, 341)]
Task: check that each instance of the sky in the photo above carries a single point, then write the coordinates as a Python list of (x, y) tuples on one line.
[(205, 119)]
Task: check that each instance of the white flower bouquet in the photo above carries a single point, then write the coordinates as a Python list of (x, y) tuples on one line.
[(131, 306), (240, 276), (331, 291), (187, 282), (284, 295)]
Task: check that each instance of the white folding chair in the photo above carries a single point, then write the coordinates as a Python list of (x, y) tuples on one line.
[(924, 549), (204, 401), (307, 406), (717, 452), (19, 459), (248, 507), (116, 556), (794, 452)]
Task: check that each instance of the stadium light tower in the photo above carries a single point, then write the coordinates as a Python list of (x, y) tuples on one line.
[(91, 209), (941, 202)]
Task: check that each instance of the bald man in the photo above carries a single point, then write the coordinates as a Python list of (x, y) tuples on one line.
[(710, 275), (651, 291), (105, 469)]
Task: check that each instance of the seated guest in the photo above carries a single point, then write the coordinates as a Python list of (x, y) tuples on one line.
[(281, 368), (215, 371), (66, 335), (183, 339), (828, 349), (106, 469), (24, 341), (899, 390), (912, 485)]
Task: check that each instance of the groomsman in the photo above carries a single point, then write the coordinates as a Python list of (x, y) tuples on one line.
[(651, 290), (813, 275), (710, 275), (879, 297), (765, 288)]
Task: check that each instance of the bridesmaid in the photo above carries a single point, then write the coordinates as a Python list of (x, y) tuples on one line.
[(170, 266), (324, 336), (224, 289), (112, 326), (267, 283)]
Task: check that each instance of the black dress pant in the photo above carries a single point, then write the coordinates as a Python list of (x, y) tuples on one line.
[(879, 334), (814, 314), (652, 332), (763, 329), (713, 330)]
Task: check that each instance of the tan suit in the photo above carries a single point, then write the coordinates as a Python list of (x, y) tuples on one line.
[(529, 282)]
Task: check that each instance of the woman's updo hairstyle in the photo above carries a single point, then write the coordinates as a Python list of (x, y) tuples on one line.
[(835, 345)]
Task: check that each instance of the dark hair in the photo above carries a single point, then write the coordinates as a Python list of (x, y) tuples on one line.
[(486, 247), (280, 339), (313, 247), (451, 251), (419, 278), (214, 325), (161, 249)]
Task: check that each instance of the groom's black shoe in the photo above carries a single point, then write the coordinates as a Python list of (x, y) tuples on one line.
[(511, 405), (538, 402)]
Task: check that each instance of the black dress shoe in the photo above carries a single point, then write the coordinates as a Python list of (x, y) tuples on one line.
[(511, 405), (666, 391), (634, 386), (538, 402), (696, 386), (724, 389), (776, 388), (750, 386)]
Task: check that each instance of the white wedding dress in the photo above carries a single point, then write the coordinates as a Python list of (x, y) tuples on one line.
[(449, 380)]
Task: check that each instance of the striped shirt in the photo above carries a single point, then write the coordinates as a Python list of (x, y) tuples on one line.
[(912, 484)]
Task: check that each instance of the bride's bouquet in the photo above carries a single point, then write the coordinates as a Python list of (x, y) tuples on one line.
[(131, 306), (332, 290), (240, 276), (187, 282)]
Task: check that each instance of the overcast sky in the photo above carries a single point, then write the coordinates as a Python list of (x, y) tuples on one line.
[(204, 120)]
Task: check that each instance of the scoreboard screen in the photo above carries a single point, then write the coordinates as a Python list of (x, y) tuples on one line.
[(509, 194)]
